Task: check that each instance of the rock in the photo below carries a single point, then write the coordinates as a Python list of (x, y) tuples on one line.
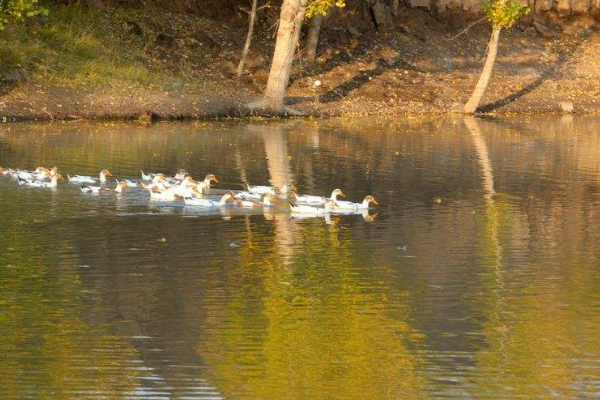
[(566, 107), (580, 6), (542, 29), (353, 31), (382, 15), (563, 7), (421, 4), (542, 6)]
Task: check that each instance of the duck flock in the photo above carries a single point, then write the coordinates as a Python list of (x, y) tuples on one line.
[(183, 188)]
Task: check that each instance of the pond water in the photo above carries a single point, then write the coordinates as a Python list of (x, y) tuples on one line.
[(477, 276)]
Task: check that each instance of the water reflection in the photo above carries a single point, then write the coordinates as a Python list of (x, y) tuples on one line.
[(478, 280)]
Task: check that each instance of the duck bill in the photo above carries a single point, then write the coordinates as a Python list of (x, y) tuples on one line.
[(342, 194), (375, 202), (109, 174), (215, 180)]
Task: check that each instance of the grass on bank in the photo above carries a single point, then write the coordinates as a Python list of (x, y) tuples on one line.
[(79, 47)]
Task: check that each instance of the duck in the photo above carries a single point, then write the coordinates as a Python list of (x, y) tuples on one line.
[(160, 178), (226, 198), (268, 200), (350, 206), (146, 177), (261, 190), (88, 179), (42, 173), (130, 183), (312, 210), (24, 175), (41, 184), (180, 175), (103, 190), (316, 200), (245, 195), (173, 193), (205, 184)]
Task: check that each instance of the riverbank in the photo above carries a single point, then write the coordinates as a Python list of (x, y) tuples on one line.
[(123, 64)]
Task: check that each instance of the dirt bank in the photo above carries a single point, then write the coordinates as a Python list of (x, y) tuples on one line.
[(182, 66)]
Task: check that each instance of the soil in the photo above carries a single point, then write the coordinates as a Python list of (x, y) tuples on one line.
[(420, 65)]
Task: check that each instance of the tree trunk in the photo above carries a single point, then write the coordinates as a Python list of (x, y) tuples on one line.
[(290, 22), (240, 67), (312, 40), (486, 73)]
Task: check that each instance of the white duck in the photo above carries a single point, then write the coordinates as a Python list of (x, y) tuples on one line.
[(146, 177), (350, 206), (89, 179), (312, 210), (261, 190), (103, 190), (130, 183), (41, 184), (24, 175), (180, 175), (268, 200), (316, 200), (205, 184), (173, 193), (228, 197)]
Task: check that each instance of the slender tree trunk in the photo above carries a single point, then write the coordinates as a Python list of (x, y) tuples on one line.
[(290, 22), (312, 40), (240, 67), (486, 73)]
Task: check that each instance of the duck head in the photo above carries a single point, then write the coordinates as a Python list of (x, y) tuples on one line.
[(227, 198), (120, 186), (210, 178), (269, 199), (370, 200), (103, 174), (181, 174), (288, 188), (336, 193)]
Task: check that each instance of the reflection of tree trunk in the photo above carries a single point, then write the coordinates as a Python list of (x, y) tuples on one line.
[(280, 172), (240, 166), (486, 73), (490, 235), (483, 155), (492, 212)]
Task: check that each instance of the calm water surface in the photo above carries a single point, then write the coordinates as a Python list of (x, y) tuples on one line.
[(477, 277)]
